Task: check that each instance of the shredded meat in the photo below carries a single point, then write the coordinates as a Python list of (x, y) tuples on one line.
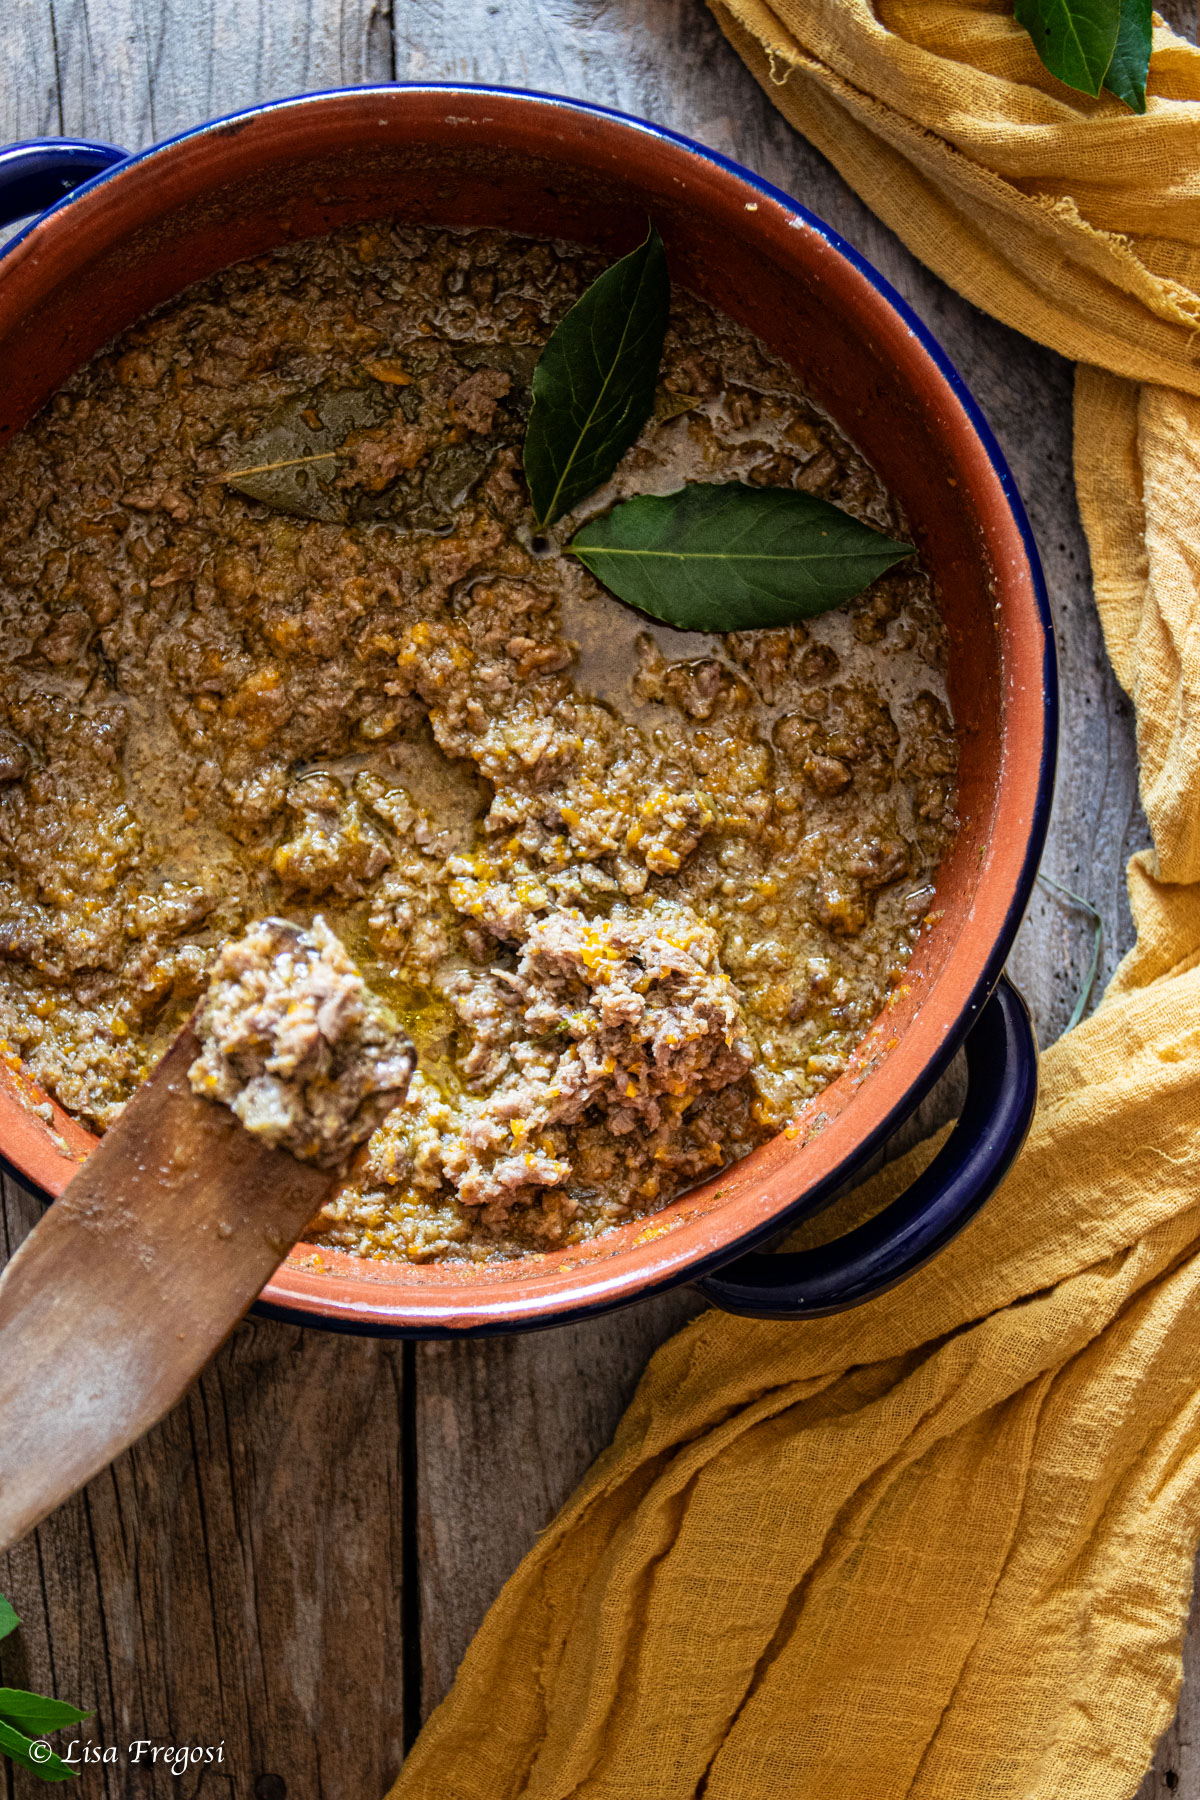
[(295, 1044), (625, 1021)]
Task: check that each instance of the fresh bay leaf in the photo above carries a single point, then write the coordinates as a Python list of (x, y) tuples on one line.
[(16, 1745), (8, 1618), (37, 1714), (593, 388), (727, 557), (1076, 39), (292, 463), (1130, 65)]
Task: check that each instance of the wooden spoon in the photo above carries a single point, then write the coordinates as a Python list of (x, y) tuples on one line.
[(133, 1280)]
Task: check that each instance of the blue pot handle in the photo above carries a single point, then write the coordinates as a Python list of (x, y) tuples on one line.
[(36, 174), (1001, 1094)]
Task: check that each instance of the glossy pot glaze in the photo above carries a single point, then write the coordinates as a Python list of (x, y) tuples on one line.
[(151, 224)]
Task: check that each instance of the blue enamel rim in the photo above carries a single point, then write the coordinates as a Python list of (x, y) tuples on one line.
[(818, 1194)]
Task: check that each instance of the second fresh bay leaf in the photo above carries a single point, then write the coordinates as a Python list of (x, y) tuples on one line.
[(36, 1714), (728, 557), (593, 388), (1075, 39), (1130, 65), (16, 1745)]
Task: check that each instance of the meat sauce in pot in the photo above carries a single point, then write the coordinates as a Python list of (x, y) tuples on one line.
[(635, 893)]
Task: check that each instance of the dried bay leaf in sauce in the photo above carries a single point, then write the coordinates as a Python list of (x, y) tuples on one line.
[(291, 465), (298, 461), (449, 476)]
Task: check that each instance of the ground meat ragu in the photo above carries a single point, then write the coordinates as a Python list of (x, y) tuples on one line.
[(628, 1019), (634, 893), (296, 1045)]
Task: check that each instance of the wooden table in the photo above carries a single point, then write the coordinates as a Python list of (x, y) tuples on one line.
[(293, 1563)]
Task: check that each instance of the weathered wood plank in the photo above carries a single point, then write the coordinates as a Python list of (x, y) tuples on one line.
[(233, 1578), (505, 1430), (130, 73), (1182, 16)]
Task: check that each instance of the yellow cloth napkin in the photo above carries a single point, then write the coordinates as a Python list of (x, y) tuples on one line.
[(942, 1545)]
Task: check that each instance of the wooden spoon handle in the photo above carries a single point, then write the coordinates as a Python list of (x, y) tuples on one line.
[(132, 1281)]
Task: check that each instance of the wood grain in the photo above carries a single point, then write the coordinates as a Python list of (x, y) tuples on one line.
[(133, 1280), (233, 1578), (239, 1572), (505, 1431), (131, 72)]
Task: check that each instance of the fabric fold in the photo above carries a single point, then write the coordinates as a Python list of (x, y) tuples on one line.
[(941, 1546)]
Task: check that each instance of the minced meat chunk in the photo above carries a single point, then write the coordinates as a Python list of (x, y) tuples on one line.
[(624, 1022), (651, 1019), (295, 1044)]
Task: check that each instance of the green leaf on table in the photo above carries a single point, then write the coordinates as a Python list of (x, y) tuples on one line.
[(727, 557), (32, 1754), (1076, 39), (8, 1618), (37, 1713), (1130, 65), (593, 388)]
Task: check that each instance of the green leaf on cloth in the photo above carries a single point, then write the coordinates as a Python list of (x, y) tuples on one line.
[(1130, 65), (1093, 44), (727, 557), (594, 385), (8, 1618), (1076, 39)]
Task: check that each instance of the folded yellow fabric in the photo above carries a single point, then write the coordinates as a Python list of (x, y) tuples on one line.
[(941, 1546)]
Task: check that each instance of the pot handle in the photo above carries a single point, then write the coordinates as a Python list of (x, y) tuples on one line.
[(1001, 1094), (34, 175)]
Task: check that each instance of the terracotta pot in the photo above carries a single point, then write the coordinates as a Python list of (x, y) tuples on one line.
[(148, 225)]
